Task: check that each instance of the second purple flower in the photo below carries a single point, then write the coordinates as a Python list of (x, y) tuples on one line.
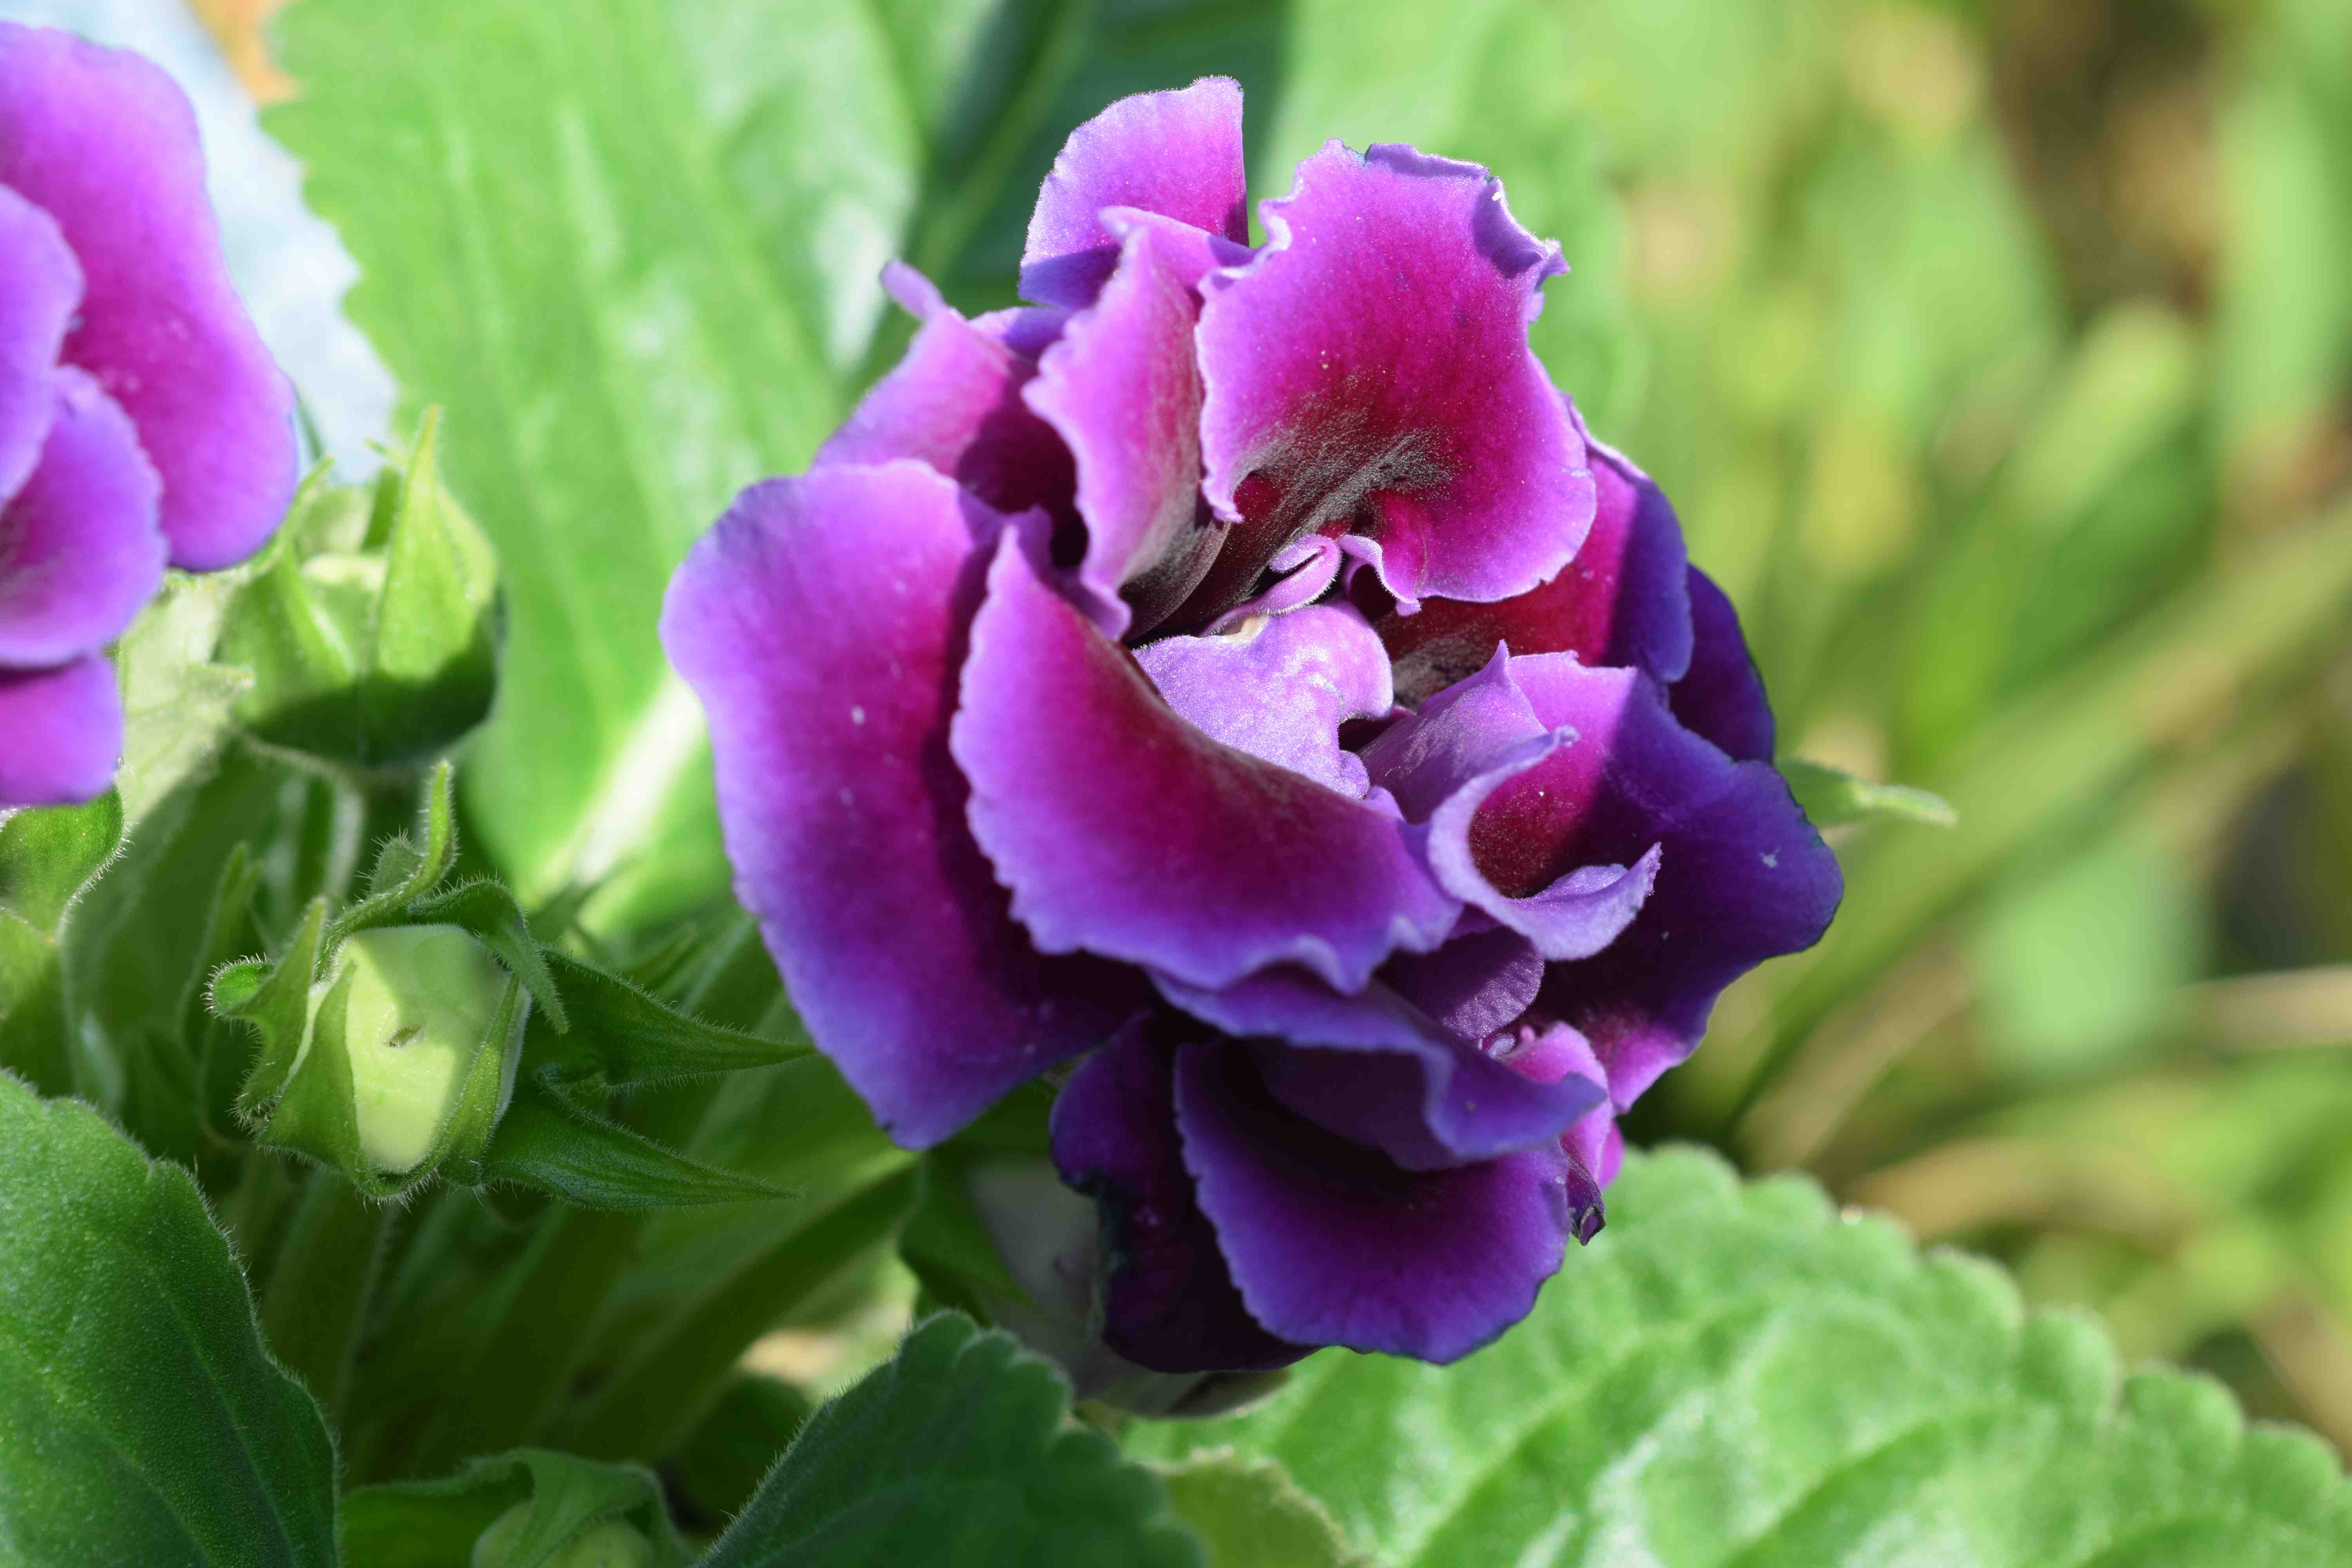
[(1241, 671)]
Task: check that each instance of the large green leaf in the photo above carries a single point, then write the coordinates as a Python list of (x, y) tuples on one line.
[(1739, 1374), (959, 1450), (633, 246), (143, 1420)]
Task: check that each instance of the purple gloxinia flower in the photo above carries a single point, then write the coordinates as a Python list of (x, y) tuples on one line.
[(141, 421), (1239, 674)]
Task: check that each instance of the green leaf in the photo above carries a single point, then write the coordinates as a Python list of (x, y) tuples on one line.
[(1738, 1373), (549, 1142), (434, 669), (625, 1036), (751, 1423), (1252, 1515), (527, 1509), (958, 1450), (1831, 798), (144, 1421)]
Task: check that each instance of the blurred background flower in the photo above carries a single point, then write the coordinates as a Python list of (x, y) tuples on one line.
[(1999, 357)]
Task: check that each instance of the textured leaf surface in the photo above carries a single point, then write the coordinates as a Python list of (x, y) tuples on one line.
[(958, 1450), (1251, 1515), (143, 1420), (1739, 1374)]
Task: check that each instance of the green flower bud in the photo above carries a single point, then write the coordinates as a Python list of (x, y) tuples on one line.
[(419, 1004), (613, 1544)]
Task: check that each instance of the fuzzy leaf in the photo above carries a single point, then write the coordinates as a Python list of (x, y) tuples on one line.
[(549, 1142), (959, 1450), (625, 1036), (522, 1510), (1738, 1373), (1251, 1515), (144, 1421)]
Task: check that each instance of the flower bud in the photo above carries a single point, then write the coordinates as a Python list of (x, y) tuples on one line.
[(419, 1004), (612, 1543)]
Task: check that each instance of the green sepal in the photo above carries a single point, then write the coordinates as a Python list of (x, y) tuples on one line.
[(549, 1142), (275, 999), (407, 867), (371, 624), (1833, 799), (527, 1509), (225, 1046), (623, 1037)]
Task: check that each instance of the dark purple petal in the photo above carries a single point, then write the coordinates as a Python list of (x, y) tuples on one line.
[(65, 731), (1480, 980), (1331, 1243), (1122, 389), (1124, 831), (79, 549), (1168, 1302), (1722, 695), (106, 144), (1177, 153), (954, 403), (1368, 370), (39, 285), (1280, 693), (1742, 876), (823, 622), (1375, 1069), (1622, 601)]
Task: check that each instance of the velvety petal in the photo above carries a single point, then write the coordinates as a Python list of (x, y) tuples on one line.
[(822, 623), (1721, 696), (105, 142), (1456, 735), (1124, 831), (1623, 600), (955, 403), (1281, 692), (79, 549), (1543, 791), (64, 729), (1594, 1146), (39, 286), (1123, 391), (1375, 1069), (1332, 1243), (1742, 876), (1168, 1302), (1368, 370), (1479, 981), (1177, 153)]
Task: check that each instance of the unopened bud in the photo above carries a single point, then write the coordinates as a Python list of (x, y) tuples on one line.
[(420, 1005), (613, 1544)]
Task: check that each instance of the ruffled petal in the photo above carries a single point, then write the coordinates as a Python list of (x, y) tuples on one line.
[(1332, 1243), (1368, 370), (1281, 692), (1168, 1302), (1721, 696), (823, 622), (79, 549), (1123, 391), (1742, 874), (106, 144), (1375, 1069), (1623, 600), (39, 286), (1124, 831), (65, 732), (955, 403), (1425, 757), (1481, 981), (1177, 153)]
